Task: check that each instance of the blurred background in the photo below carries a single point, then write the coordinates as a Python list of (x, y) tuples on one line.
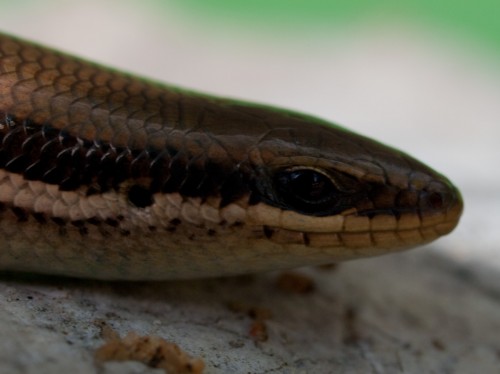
[(420, 75)]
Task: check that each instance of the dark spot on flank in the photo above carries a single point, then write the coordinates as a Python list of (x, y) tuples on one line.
[(307, 241), (58, 221), (140, 196), (112, 222), (152, 228), (125, 232), (211, 232), (94, 221), (78, 223), (175, 221), (105, 233), (21, 214), (268, 232), (40, 218), (83, 231)]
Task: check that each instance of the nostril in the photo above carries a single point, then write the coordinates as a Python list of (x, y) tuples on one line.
[(440, 197), (435, 200)]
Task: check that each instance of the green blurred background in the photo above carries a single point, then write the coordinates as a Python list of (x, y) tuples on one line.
[(479, 19), (300, 18)]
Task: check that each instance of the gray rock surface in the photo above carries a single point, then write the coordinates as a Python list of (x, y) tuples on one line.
[(417, 312)]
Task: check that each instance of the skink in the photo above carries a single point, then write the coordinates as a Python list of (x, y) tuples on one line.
[(104, 175)]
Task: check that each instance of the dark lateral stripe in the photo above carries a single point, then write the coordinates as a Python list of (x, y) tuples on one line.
[(43, 153)]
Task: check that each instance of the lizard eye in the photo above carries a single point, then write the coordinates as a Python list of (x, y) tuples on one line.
[(306, 190)]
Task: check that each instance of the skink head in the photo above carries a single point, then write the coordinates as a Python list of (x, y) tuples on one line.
[(347, 194)]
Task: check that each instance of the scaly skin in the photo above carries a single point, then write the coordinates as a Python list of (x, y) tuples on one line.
[(104, 175)]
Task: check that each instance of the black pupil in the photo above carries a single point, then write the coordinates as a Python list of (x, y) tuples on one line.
[(305, 190), (309, 185)]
